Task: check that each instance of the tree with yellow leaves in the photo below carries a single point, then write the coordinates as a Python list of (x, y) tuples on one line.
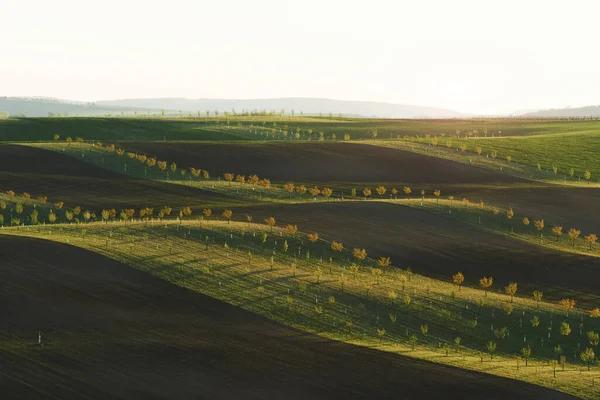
[(314, 192), (205, 174), (574, 234), (228, 177), (241, 179), (207, 212), (301, 189), (384, 262), (291, 229), (162, 165), (511, 290), (407, 191), (381, 190), (567, 304), (591, 239), (59, 205), (525, 221), (485, 283), (10, 194), (327, 192), (270, 222), (228, 214), (359, 254), (587, 175), (253, 179), (437, 194), (289, 187), (42, 199), (264, 182), (313, 237), (458, 279), (366, 192), (186, 212), (337, 246), (394, 192), (120, 151), (557, 231), (539, 224), (151, 161)]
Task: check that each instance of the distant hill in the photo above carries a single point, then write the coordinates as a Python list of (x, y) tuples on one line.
[(307, 106), (577, 112), (44, 107)]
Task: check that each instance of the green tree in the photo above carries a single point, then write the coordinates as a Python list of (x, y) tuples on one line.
[(526, 353), (588, 356)]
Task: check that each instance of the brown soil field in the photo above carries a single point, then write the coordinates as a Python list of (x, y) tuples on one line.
[(320, 162), (437, 246), (63, 178), (110, 331)]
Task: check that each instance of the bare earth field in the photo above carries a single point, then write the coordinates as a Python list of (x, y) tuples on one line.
[(320, 162), (439, 247), (110, 331), (63, 178)]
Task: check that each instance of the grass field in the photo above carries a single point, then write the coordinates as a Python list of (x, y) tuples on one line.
[(155, 289)]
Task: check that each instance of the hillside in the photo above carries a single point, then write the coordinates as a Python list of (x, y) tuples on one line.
[(37, 107), (568, 112)]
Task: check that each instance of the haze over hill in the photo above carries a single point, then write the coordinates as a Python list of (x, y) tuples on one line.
[(567, 112)]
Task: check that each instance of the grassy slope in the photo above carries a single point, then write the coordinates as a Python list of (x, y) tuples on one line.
[(34, 129), (178, 256), (110, 331)]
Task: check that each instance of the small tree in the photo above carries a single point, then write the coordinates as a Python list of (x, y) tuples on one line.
[(407, 191), (565, 328), (384, 262), (485, 283), (366, 192), (537, 296), (313, 237), (359, 254), (437, 194), (588, 176), (511, 290), (228, 177), (337, 246), (241, 179), (424, 330), (228, 214), (591, 239), (535, 321), (491, 348), (574, 234), (539, 224), (458, 279), (327, 192), (381, 190), (291, 229), (381, 334), (526, 353), (394, 192), (314, 192), (595, 313), (588, 356), (593, 338), (207, 212), (557, 231), (270, 222), (301, 189), (413, 341), (289, 187), (186, 211), (253, 179), (567, 305), (525, 221)]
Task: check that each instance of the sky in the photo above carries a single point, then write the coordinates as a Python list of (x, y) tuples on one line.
[(484, 56)]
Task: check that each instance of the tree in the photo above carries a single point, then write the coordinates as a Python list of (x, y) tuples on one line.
[(539, 224), (313, 237), (207, 213), (588, 176), (205, 174), (337, 246), (228, 177), (227, 214), (289, 187), (557, 231), (485, 283), (56, 137), (394, 192), (574, 234), (151, 161), (567, 304), (10, 194), (381, 190), (565, 328), (526, 353), (458, 279), (407, 191), (373, 132), (380, 333), (240, 179), (510, 213), (511, 290), (19, 208), (437, 194), (87, 215), (525, 221), (366, 192), (253, 179), (424, 330), (413, 340), (105, 215), (359, 254), (595, 313), (327, 192), (186, 211), (301, 189), (51, 217), (451, 198), (384, 262), (591, 239), (270, 222), (491, 348), (537, 296), (588, 356), (593, 338), (291, 229), (314, 192)]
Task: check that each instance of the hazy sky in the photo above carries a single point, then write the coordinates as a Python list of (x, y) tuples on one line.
[(479, 56)]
